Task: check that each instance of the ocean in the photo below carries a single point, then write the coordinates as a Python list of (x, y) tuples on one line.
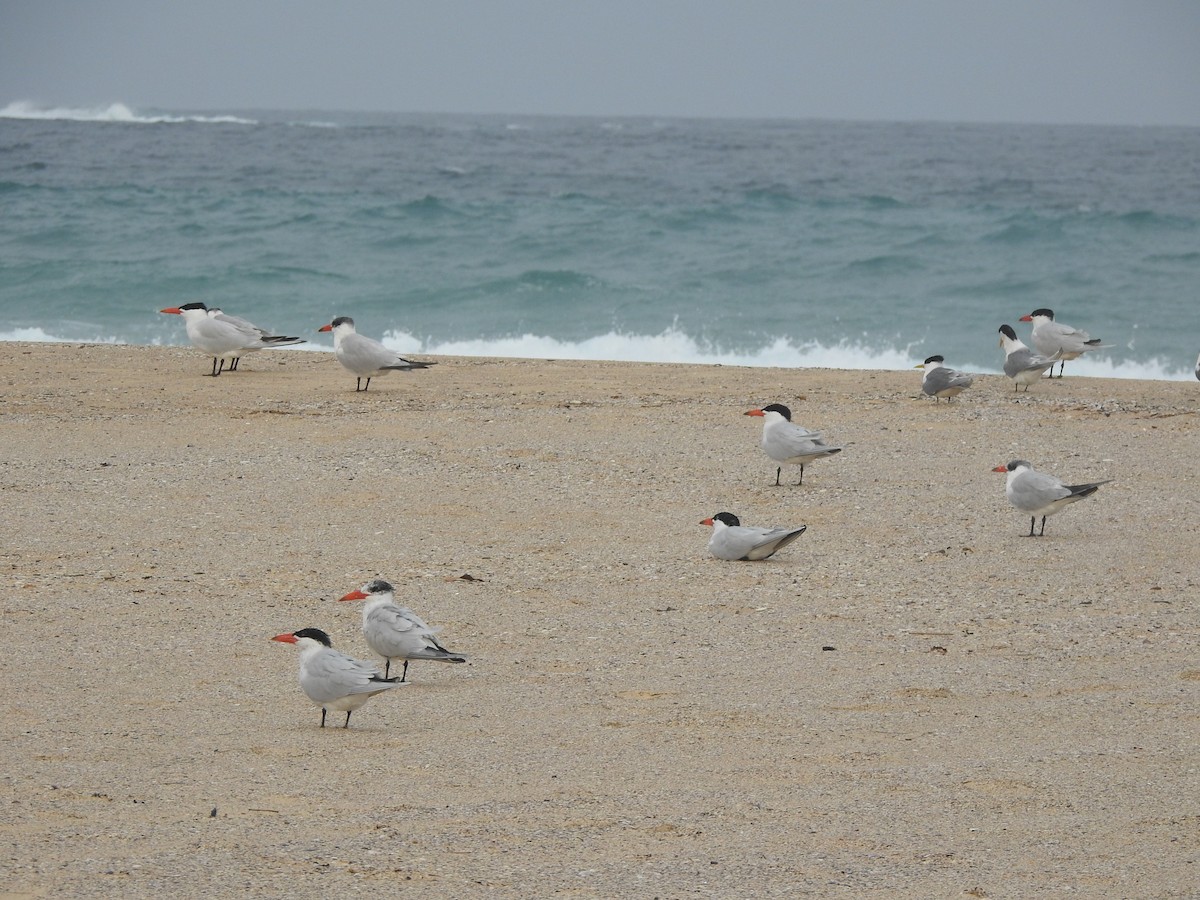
[(742, 242)]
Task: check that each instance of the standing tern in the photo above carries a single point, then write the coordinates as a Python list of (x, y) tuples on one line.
[(224, 337), (1040, 494), (1021, 364), (789, 444), (268, 339), (363, 356), (1051, 338), (330, 678), (396, 632), (941, 381), (733, 540)]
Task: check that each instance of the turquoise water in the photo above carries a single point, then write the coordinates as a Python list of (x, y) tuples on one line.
[(795, 243)]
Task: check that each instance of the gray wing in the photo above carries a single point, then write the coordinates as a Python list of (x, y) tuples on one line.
[(1050, 337), (941, 379), (796, 443), (1025, 360), (1034, 490), (332, 675)]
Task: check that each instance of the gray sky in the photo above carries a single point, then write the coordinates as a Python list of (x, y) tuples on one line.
[(1095, 61)]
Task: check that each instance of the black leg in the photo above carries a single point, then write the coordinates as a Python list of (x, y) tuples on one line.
[(233, 363), (1032, 519), (322, 717), (404, 674), (1043, 531), (387, 666), (777, 473), (801, 481), (347, 725), (215, 372), (368, 387)]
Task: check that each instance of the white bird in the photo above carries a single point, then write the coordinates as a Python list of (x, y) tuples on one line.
[(941, 381), (330, 678), (396, 632), (1054, 338), (733, 540), (363, 356), (1040, 494), (268, 339), (1021, 364), (224, 337), (789, 444)]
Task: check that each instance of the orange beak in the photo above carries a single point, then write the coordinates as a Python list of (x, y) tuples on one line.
[(322, 328), (172, 309), (1000, 469), (709, 521), (754, 412), (354, 595), (1025, 319), (285, 638)]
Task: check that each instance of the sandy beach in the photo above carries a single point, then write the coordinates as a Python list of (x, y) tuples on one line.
[(913, 700)]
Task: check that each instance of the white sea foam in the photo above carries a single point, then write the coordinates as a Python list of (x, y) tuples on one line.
[(113, 112), (673, 346)]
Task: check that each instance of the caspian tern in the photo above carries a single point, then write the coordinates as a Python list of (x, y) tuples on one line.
[(733, 540), (396, 632), (1051, 338), (1040, 494), (789, 444), (222, 337), (941, 381), (330, 678), (268, 339), (1021, 364), (363, 356)]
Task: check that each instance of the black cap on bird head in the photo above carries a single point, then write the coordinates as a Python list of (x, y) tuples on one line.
[(779, 408), (936, 359), (315, 633), (378, 586), (728, 518), (1008, 332)]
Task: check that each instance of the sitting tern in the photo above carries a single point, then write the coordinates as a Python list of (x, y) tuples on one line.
[(363, 356), (1021, 364), (1051, 338), (396, 632), (1040, 494), (733, 540), (225, 337), (789, 444), (942, 381), (330, 678)]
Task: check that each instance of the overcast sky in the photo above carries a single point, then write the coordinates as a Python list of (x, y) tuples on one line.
[(1094, 61)]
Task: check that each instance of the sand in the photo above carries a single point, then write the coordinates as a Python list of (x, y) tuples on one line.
[(913, 700)]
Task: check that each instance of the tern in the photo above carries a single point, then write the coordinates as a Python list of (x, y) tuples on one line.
[(941, 381), (1021, 364), (268, 339), (363, 356), (330, 678), (224, 337), (733, 540), (1051, 338), (789, 444), (396, 632), (1040, 494)]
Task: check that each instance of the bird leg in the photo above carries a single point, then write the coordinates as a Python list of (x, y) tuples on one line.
[(322, 717), (347, 725), (217, 371), (1043, 529), (778, 472), (1032, 519), (404, 674), (801, 481), (387, 665)]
